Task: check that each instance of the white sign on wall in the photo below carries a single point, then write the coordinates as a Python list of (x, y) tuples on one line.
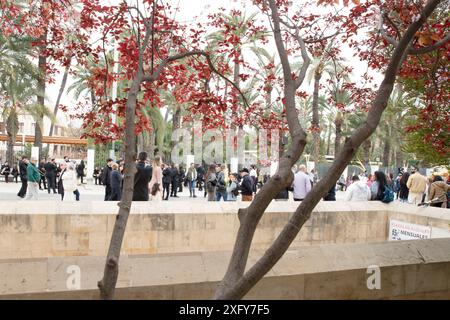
[(399, 230)]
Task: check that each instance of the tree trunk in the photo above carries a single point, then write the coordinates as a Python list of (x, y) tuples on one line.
[(315, 119), (329, 139), (61, 91), (236, 284), (12, 127), (42, 66), (338, 125), (386, 153), (366, 154), (140, 143), (108, 284)]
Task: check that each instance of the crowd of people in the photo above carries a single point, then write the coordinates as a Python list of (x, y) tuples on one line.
[(156, 180), (58, 178), (409, 187), (160, 181)]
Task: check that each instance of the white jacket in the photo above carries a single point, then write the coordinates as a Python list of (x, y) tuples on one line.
[(69, 179), (358, 191)]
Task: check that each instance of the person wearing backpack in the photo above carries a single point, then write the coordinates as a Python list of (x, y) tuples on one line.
[(233, 188), (378, 186)]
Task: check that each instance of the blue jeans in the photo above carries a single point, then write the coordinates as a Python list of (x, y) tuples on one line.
[(192, 188), (219, 195), (77, 194)]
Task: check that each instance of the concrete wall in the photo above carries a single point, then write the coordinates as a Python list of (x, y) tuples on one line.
[(409, 270), (54, 229)]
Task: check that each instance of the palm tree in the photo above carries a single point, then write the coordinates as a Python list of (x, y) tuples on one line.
[(17, 80), (237, 26), (320, 65)]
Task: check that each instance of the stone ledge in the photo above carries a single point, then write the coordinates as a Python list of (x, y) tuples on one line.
[(185, 207), (412, 267)]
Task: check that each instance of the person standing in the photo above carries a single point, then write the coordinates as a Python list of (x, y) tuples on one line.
[(23, 164), (301, 184), (233, 188), (142, 178), (42, 173), (211, 181), (80, 171), (200, 177), (116, 183), (397, 184), (221, 186), (107, 179), (156, 177), (15, 173), (246, 185), (34, 177), (417, 185), (378, 185), (438, 190), (357, 191), (95, 175), (5, 171), (166, 180), (254, 175), (68, 182), (181, 178), (404, 190), (174, 173), (191, 178), (50, 175)]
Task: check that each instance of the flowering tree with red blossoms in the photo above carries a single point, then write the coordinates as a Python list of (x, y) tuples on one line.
[(156, 53)]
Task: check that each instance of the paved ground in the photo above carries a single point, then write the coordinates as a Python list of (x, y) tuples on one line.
[(91, 192)]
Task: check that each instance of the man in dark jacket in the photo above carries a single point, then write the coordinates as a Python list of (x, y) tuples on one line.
[(246, 185), (42, 173), (107, 179), (23, 164), (50, 175), (142, 178), (200, 177), (174, 173), (167, 180)]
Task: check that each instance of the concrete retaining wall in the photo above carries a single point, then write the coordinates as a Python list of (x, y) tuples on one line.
[(50, 229), (409, 270)]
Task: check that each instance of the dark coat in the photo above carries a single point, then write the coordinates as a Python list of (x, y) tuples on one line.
[(174, 175), (80, 170), (331, 195), (23, 171), (167, 178), (141, 180), (116, 185), (106, 176), (247, 186), (200, 173), (50, 169)]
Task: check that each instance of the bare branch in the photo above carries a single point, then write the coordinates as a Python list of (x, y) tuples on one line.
[(306, 62), (154, 76)]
